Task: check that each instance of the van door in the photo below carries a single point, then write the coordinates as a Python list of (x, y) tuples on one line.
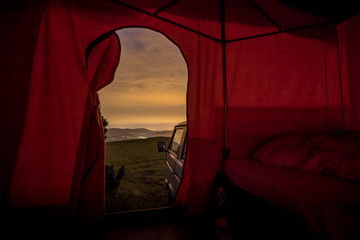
[(175, 159)]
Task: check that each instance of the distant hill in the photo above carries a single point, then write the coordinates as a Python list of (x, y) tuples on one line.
[(121, 134)]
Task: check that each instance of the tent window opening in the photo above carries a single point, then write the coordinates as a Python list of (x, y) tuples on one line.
[(141, 106)]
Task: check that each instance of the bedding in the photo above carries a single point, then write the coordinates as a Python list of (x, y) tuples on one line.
[(329, 206), (331, 153), (315, 176)]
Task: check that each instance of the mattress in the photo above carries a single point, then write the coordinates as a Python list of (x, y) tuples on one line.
[(330, 206)]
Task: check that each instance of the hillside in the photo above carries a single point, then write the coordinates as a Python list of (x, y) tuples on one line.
[(121, 134)]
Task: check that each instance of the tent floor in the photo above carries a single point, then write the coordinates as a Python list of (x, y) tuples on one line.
[(161, 224), (165, 224)]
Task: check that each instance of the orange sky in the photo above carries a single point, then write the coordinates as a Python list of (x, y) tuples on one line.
[(149, 88)]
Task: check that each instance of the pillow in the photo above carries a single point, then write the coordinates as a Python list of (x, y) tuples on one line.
[(279, 141), (334, 163), (292, 157), (316, 139), (348, 142)]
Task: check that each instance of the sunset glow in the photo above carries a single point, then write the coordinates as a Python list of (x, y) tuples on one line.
[(149, 88)]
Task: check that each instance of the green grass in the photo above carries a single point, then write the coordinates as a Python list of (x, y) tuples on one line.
[(143, 185)]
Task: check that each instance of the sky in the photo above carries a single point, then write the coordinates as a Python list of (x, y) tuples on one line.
[(149, 88)]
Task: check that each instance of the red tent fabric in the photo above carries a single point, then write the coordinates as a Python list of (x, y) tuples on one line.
[(286, 82), (349, 51), (255, 68)]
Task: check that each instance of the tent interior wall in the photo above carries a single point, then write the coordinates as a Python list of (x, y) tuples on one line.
[(255, 68)]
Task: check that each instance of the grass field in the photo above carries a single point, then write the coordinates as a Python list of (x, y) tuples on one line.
[(142, 185)]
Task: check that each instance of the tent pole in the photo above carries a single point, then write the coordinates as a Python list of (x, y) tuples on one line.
[(226, 152), (265, 15), (166, 7), (340, 81), (283, 31), (163, 19)]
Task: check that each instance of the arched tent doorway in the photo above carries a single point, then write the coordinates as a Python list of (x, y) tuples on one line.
[(77, 178), (208, 147), (146, 99)]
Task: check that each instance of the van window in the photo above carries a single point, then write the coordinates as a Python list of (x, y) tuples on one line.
[(177, 139)]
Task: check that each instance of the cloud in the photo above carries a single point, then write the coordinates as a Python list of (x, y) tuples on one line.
[(150, 114), (150, 82), (148, 61)]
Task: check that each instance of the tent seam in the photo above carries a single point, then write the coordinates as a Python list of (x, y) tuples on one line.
[(275, 33)]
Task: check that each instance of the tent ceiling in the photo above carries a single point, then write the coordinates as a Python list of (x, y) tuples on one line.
[(246, 18), (333, 10)]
